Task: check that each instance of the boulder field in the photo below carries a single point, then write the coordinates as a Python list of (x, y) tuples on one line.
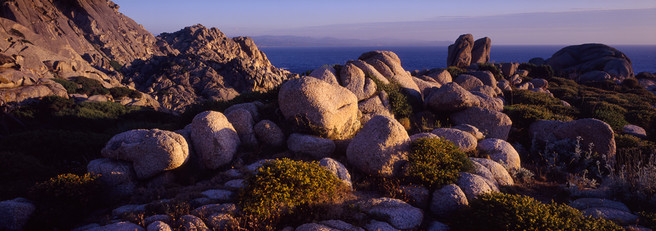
[(346, 117)]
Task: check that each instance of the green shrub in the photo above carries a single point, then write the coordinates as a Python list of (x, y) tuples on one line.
[(120, 92), (61, 149), (455, 71), (20, 172), (15, 32), (523, 115), (498, 211), (633, 151), (268, 97), (538, 71), (607, 112), (399, 102), (117, 66), (98, 110), (648, 219), (436, 161), (491, 68), (70, 86), (65, 199), (527, 105), (642, 118), (53, 104), (532, 98), (280, 186), (631, 82), (90, 86)]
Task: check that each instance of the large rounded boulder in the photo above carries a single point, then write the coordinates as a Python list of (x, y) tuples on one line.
[(591, 131), (388, 65), (464, 140), (501, 151), (492, 123), (118, 176), (215, 139), (380, 148), (326, 110), (581, 59), (450, 97), (353, 78), (150, 151)]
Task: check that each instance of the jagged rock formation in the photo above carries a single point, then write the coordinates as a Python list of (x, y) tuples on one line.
[(204, 64), (466, 51), (90, 38), (481, 50), (69, 38)]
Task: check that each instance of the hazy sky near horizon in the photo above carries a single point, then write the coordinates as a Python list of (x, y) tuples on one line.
[(506, 22)]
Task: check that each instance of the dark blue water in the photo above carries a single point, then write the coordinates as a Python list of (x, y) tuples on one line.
[(301, 59)]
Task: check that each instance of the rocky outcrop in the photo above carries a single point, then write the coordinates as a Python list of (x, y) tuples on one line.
[(90, 38), (204, 64), (575, 61), (43, 87), (326, 110), (63, 39), (73, 38)]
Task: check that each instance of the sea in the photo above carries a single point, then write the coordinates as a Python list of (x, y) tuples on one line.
[(302, 59)]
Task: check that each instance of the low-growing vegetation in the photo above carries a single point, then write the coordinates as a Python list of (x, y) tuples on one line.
[(498, 211), (491, 68), (617, 106), (64, 200), (435, 162), (525, 107), (455, 71), (537, 71), (399, 102), (268, 98), (120, 92), (57, 135), (287, 188)]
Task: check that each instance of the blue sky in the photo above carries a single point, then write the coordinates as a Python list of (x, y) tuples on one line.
[(506, 22)]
